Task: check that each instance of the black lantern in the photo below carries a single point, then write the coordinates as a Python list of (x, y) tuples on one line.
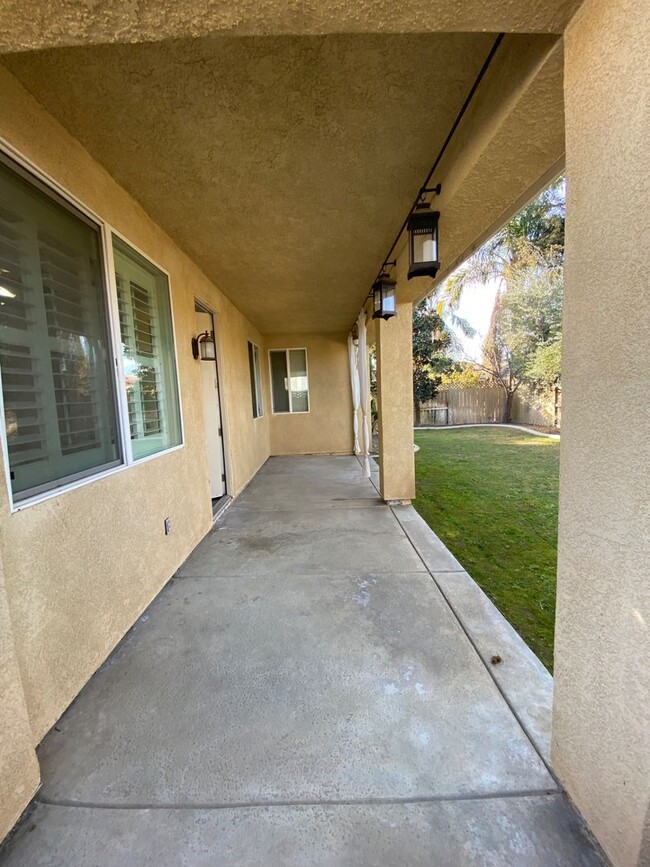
[(204, 347), (383, 298), (423, 242)]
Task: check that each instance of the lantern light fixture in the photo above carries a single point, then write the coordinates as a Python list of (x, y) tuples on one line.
[(423, 241), (384, 303), (204, 347)]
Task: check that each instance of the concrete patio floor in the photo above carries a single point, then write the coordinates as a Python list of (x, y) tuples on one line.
[(314, 686)]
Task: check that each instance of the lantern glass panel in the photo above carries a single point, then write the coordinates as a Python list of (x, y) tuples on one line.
[(425, 246), (389, 300), (376, 300), (207, 348)]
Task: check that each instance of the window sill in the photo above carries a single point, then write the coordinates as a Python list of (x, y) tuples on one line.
[(295, 412)]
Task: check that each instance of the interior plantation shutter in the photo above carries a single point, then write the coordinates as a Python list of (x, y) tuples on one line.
[(69, 320), (147, 349), (57, 383), (22, 373), (143, 378), (298, 380)]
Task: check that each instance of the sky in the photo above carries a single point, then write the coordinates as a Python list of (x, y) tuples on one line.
[(476, 307)]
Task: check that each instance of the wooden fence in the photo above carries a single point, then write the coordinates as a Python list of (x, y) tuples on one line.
[(482, 405)]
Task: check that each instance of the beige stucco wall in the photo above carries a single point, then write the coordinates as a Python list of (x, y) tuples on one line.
[(19, 774), (80, 567), (327, 427), (61, 22), (601, 723)]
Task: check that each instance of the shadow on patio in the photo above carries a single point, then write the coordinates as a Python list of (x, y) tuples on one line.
[(313, 687)]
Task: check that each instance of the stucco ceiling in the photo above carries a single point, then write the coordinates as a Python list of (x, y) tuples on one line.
[(283, 165)]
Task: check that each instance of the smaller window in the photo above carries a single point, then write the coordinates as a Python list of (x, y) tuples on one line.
[(148, 352), (256, 379), (289, 380)]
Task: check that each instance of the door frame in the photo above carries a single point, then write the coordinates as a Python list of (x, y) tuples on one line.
[(202, 306)]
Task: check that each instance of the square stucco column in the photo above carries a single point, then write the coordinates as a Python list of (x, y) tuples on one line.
[(601, 719), (394, 343)]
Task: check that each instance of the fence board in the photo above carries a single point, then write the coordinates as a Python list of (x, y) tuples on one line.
[(484, 405)]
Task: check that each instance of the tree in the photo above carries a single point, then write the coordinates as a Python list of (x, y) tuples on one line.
[(544, 370), (431, 342), (527, 317), (538, 229), (525, 257), (465, 374)]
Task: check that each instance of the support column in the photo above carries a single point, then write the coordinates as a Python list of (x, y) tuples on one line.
[(601, 714), (394, 342)]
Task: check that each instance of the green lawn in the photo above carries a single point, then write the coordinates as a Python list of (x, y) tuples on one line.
[(491, 494)]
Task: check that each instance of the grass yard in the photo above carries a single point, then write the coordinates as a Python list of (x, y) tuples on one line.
[(491, 494)]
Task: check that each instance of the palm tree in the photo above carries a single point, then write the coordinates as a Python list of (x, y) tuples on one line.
[(530, 241), (537, 230)]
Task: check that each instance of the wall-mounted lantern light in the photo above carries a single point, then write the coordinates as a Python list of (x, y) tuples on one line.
[(204, 347), (384, 303), (423, 242)]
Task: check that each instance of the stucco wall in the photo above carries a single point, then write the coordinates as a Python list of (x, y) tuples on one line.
[(80, 567), (327, 427), (62, 22), (19, 776), (601, 723)]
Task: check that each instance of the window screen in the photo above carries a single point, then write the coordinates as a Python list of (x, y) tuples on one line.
[(147, 351), (289, 380), (256, 378), (55, 356)]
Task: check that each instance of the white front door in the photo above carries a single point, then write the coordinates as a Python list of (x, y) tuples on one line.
[(212, 413)]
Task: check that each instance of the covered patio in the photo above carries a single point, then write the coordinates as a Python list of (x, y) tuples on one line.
[(314, 686), (198, 202)]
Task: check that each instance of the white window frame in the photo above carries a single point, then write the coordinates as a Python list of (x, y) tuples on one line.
[(109, 232), (257, 375), (292, 411), (106, 233)]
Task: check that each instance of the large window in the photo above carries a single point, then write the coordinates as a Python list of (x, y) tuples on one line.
[(256, 379), (289, 380), (60, 389), (147, 352), (55, 348)]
